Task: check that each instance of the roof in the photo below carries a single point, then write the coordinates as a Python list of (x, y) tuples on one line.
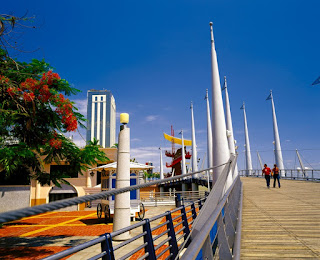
[(133, 166)]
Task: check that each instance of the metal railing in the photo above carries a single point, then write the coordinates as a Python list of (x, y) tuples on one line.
[(151, 198), (150, 241), (217, 231), (30, 211), (289, 174), (164, 239)]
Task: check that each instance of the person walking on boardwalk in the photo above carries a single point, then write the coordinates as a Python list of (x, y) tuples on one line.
[(267, 171), (276, 176)]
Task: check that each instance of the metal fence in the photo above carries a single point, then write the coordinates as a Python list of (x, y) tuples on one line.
[(217, 231), (150, 240), (30, 211), (151, 198), (289, 174)]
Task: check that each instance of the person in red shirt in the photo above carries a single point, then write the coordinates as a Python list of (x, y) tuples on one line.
[(267, 171), (275, 171)]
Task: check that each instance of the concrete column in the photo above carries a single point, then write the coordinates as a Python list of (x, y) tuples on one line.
[(38, 187), (88, 180), (219, 137), (122, 201)]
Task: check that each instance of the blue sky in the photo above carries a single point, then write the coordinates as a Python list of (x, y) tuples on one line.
[(155, 58)]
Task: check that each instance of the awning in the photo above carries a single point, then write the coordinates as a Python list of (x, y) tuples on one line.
[(133, 166)]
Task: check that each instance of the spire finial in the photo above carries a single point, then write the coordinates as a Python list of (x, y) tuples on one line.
[(211, 30), (206, 97), (191, 106)]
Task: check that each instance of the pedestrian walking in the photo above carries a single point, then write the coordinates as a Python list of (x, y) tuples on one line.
[(276, 176), (267, 171)]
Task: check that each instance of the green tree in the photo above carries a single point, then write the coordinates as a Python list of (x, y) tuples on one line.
[(35, 115)]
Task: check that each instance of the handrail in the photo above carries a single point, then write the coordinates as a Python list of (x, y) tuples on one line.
[(30, 211), (216, 227), (170, 233), (291, 174)]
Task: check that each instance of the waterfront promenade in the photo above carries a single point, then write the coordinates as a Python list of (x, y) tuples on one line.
[(280, 223)]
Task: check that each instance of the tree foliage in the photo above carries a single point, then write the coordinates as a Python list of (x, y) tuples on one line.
[(35, 115)]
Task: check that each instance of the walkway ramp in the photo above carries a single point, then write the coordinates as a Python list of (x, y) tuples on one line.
[(280, 223)]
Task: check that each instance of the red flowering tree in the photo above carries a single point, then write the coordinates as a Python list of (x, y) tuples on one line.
[(35, 113)]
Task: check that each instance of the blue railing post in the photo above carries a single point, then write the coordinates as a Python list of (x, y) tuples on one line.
[(185, 223), (193, 210), (173, 241), (106, 246), (147, 238), (200, 204)]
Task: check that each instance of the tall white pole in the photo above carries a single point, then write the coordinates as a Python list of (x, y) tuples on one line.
[(194, 150), (229, 127), (220, 146), (161, 172), (122, 201), (260, 161), (301, 163), (194, 145), (247, 142), (209, 141), (277, 145), (183, 162), (161, 165), (209, 132)]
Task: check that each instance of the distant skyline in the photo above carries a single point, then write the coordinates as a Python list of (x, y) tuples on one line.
[(154, 56)]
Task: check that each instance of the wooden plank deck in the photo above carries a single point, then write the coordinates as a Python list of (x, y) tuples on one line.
[(280, 223)]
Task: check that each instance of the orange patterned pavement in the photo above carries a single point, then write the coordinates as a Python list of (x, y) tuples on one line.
[(53, 225)]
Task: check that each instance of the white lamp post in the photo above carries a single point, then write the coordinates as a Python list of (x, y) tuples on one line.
[(122, 201)]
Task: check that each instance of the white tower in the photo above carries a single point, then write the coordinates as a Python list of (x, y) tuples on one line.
[(247, 143), (277, 145), (229, 127), (220, 146)]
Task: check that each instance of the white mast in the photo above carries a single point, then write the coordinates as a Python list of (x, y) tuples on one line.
[(229, 126), (301, 164), (183, 162), (161, 165), (194, 150), (194, 145), (183, 165), (277, 145), (247, 143), (209, 134), (260, 161), (219, 138)]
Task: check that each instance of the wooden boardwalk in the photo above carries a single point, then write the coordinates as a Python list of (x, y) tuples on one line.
[(280, 223)]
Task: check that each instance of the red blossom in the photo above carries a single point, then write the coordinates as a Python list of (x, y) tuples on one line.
[(11, 91), (28, 96), (55, 143)]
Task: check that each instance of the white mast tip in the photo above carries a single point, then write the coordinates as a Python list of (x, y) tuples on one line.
[(211, 23)]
